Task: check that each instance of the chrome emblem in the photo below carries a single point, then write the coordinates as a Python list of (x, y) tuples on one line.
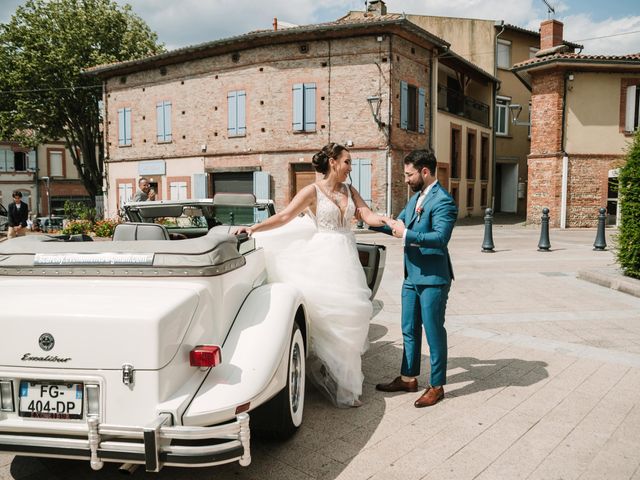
[(46, 341)]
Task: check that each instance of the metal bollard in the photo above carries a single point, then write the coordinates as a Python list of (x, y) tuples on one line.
[(487, 243), (601, 241), (544, 245), (231, 219)]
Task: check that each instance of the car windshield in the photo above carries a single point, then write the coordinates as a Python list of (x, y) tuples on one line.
[(182, 222)]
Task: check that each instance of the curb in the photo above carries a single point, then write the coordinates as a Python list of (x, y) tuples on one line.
[(613, 279)]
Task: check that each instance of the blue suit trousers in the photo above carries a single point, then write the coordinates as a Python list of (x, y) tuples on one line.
[(424, 306)]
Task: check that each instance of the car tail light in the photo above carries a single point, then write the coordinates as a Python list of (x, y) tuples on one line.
[(205, 356), (6, 396)]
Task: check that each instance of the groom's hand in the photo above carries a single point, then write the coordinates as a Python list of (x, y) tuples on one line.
[(398, 228)]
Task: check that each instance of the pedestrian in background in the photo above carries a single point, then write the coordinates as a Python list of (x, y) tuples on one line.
[(17, 216), (145, 192)]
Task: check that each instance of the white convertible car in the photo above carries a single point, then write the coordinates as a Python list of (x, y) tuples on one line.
[(162, 343)]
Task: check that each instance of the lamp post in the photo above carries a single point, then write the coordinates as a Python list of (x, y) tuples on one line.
[(48, 197)]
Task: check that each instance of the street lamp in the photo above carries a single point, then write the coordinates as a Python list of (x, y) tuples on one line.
[(48, 197), (374, 104), (516, 110)]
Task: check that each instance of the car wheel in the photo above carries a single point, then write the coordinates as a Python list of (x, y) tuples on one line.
[(281, 416)]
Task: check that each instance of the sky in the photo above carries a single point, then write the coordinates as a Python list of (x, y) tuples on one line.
[(189, 22)]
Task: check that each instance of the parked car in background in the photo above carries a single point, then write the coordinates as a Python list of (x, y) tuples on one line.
[(50, 224), (164, 340)]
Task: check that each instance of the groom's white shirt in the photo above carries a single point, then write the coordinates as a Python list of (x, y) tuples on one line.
[(419, 203)]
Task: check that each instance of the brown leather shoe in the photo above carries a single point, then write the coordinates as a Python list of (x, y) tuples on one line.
[(430, 397), (398, 385)]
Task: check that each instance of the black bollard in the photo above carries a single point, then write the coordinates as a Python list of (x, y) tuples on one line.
[(601, 241), (487, 243), (231, 219), (544, 245)]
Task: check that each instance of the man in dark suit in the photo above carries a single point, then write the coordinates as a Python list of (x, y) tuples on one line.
[(18, 213), (425, 225)]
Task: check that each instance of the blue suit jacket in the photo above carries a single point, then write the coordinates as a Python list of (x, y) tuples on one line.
[(426, 256)]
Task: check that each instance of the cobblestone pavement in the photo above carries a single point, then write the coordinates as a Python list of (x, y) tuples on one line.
[(544, 381)]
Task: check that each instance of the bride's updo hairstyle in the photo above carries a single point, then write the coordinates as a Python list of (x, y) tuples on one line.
[(320, 160)]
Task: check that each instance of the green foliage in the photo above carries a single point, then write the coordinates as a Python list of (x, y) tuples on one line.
[(628, 250), (105, 228), (79, 211), (77, 226), (44, 49)]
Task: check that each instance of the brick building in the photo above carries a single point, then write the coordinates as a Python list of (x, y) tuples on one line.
[(584, 110), (23, 168), (248, 113)]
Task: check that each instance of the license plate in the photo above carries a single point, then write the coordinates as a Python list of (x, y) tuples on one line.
[(50, 400)]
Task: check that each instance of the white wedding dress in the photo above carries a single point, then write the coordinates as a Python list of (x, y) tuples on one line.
[(317, 254)]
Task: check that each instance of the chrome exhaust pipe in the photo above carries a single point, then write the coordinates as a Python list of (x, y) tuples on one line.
[(128, 468)]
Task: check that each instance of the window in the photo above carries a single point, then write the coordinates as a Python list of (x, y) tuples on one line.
[(471, 154), (163, 122), (6, 160), (124, 126), (236, 125), (412, 107), (56, 160), (470, 199), (483, 196), (304, 107), (456, 142), (484, 157), (632, 114), (502, 116), (178, 191), (504, 54), (125, 193)]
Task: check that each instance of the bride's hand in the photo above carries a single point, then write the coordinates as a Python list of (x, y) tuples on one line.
[(241, 230)]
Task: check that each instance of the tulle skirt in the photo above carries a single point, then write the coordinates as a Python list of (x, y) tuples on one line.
[(325, 267)]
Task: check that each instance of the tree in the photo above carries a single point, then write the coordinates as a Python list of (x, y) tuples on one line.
[(43, 51), (628, 250)]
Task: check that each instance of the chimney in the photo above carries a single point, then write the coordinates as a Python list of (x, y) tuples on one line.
[(550, 34), (275, 24), (377, 8)]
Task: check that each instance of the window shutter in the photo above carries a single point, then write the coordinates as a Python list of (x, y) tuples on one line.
[(309, 107), (31, 162), (3, 164), (241, 101), (298, 106), (121, 127), (361, 178), (127, 126), (232, 114), (199, 185), (404, 105), (11, 161), (167, 121), (421, 109), (630, 120), (160, 122), (261, 190)]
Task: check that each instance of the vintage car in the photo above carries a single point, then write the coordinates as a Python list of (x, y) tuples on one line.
[(4, 218), (161, 349)]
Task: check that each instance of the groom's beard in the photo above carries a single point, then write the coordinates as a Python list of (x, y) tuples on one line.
[(416, 187)]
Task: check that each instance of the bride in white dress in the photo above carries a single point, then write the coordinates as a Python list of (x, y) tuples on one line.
[(317, 253)]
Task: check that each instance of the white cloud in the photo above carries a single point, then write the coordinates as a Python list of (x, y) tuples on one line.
[(581, 27)]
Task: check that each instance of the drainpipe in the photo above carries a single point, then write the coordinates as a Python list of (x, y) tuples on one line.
[(565, 159), (493, 120), (389, 122)]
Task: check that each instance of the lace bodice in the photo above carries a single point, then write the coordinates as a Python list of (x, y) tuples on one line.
[(328, 216)]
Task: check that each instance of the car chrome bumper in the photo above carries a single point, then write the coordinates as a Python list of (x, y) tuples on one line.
[(155, 445)]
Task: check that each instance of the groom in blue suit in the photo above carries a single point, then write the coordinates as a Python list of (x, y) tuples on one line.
[(425, 226)]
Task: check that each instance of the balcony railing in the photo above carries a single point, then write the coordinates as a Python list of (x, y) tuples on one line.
[(456, 103)]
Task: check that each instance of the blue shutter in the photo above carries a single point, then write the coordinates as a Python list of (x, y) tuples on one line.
[(160, 122), (127, 126), (241, 100), (421, 109), (232, 114), (121, 127), (31, 165), (404, 105), (261, 190), (167, 121), (309, 107), (361, 178), (199, 185), (298, 107)]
